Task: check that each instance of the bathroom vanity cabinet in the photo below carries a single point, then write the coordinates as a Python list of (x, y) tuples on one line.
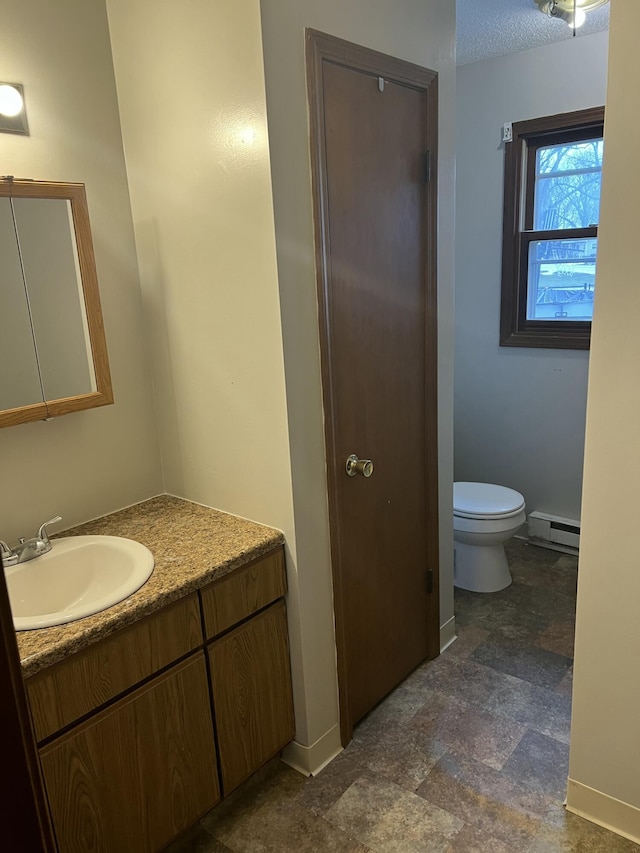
[(249, 666), (144, 731), (134, 775)]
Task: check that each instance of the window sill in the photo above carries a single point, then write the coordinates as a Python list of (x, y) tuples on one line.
[(548, 338)]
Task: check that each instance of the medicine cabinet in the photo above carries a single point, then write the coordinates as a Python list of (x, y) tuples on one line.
[(53, 353)]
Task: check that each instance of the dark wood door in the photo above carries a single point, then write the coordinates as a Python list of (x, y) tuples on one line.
[(375, 123), (25, 818)]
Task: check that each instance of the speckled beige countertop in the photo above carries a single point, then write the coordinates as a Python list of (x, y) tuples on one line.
[(192, 545)]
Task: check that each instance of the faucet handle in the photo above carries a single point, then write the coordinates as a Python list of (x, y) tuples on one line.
[(42, 533), (7, 556)]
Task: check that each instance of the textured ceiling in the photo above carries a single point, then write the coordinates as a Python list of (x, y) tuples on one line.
[(487, 28)]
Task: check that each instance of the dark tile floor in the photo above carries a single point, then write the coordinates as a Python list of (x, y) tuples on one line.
[(469, 754)]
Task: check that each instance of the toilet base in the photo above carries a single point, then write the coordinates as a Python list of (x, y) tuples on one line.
[(480, 568)]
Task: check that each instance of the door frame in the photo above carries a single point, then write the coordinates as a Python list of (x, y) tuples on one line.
[(320, 47), (26, 824)]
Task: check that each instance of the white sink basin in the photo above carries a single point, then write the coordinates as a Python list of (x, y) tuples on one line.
[(81, 575)]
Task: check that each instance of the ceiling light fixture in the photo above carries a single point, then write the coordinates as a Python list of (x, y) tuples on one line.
[(13, 114), (572, 12)]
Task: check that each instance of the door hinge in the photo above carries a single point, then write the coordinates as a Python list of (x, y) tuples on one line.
[(429, 581), (427, 166)]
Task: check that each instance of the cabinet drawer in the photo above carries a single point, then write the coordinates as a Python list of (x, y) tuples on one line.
[(232, 599), (138, 773), (253, 703), (69, 690)]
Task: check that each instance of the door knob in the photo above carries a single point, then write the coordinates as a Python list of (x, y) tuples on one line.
[(359, 466)]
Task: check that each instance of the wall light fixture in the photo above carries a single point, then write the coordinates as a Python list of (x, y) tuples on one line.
[(572, 12), (13, 113)]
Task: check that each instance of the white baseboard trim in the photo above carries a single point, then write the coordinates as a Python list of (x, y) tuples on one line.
[(621, 818), (447, 633), (309, 760)]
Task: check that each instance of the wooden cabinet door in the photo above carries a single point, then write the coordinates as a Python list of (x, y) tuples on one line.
[(78, 685), (252, 699), (134, 776)]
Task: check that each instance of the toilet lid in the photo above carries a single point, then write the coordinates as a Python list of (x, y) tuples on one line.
[(484, 500)]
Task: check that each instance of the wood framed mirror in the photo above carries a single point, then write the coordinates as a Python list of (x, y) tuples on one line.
[(53, 352)]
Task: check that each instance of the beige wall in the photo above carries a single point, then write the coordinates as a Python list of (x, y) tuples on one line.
[(420, 31), (89, 463), (605, 746), (191, 94)]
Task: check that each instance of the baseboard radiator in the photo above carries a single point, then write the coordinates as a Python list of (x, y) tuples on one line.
[(552, 531)]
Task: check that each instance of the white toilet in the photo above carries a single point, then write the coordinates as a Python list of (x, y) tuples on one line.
[(484, 518)]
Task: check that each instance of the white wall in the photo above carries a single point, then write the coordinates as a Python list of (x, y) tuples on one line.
[(605, 743), (88, 463), (420, 31), (519, 412)]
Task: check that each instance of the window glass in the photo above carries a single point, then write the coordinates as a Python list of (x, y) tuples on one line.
[(561, 279), (552, 178), (567, 185)]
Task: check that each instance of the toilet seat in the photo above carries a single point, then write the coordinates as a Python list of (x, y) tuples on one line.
[(486, 501)]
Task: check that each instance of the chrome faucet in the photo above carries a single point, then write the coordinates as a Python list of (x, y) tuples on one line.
[(28, 549)]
